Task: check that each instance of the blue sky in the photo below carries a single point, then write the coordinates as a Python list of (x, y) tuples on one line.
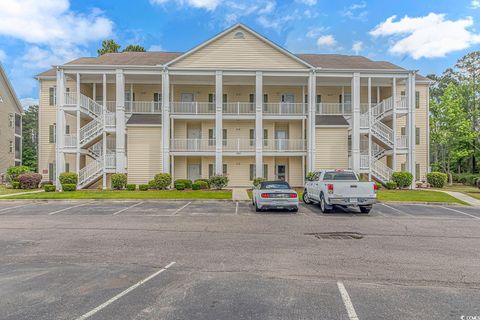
[(425, 35)]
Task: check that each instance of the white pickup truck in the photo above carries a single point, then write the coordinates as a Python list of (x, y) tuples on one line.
[(341, 188)]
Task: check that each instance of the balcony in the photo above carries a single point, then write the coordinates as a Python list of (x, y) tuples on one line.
[(143, 106), (284, 109), (192, 145), (284, 145), (237, 145)]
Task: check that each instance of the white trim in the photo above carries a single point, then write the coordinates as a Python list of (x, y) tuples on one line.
[(12, 91)]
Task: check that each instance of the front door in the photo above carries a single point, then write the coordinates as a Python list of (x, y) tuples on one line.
[(194, 136), (194, 171), (288, 103), (281, 137), (281, 171), (187, 105)]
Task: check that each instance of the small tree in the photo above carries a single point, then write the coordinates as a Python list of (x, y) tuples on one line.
[(119, 181), (134, 48), (108, 46), (162, 181), (68, 178), (218, 181), (437, 179), (403, 179)]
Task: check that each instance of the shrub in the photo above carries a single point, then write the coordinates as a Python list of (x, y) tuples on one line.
[(258, 181), (131, 187), (186, 182), (379, 185), (69, 187), (151, 184), (49, 188), (310, 176), (203, 185), (143, 187), (203, 180), (180, 186), (29, 180), (403, 179), (162, 181), (390, 185), (15, 185), (13, 172), (218, 181), (43, 183), (437, 179), (68, 178), (195, 186), (119, 181)]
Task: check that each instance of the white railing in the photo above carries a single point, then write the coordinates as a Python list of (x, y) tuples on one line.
[(334, 108), (381, 171), (239, 145), (143, 106), (402, 142), (110, 160), (90, 131), (239, 108), (384, 131), (90, 172), (70, 140), (90, 106), (377, 151), (70, 98), (364, 121), (402, 103), (364, 162), (192, 145), (110, 119), (194, 107), (283, 145), (284, 109), (96, 150)]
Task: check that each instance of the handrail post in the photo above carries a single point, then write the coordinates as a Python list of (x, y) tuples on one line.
[(238, 107)]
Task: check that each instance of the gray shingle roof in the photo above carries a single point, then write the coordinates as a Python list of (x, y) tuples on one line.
[(147, 119), (330, 121)]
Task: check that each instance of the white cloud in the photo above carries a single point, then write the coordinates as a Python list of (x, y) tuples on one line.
[(51, 22), (307, 2), (475, 4), (27, 102), (429, 36), (357, 47), (201, 4), (326, 41), (155, 47), (3, 55), (356, 11), (42, 58), (315, 32), (275, 23)]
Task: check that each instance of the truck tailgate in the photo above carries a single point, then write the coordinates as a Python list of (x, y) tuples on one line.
[(352, 189)]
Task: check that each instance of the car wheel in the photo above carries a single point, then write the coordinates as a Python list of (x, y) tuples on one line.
[(323, 205), (257, 209), (295, 209), (305, 198), (365, 209)]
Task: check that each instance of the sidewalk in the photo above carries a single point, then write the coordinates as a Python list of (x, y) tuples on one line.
[(240, 194), (465, 198), (19, 193)]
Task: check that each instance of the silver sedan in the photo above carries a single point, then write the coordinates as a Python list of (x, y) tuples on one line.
[(275, 195)]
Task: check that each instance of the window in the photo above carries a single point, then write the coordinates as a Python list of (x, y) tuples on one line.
[(417, 171), (67, 167), (417, 100), (18, 147), (317, 100), (51, 133), (10, 146), (67, 129), (417, 135), (18, 124), (18, 163), (239, 35), (51, 96), (265, 171), (224, 169), (252, 137), (157, 101), (51, 172), (402, 167), (402, 131), (252, 172), (224, 133), (11, 122), (211, 171)]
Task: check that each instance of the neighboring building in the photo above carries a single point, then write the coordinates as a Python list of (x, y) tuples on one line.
[(10, 126), (280, 114)]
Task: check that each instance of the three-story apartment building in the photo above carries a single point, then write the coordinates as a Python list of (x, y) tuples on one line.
[(10, 126), (236, 104)]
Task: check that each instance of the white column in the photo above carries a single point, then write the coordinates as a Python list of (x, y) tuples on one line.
[(311, 144), (370, 159), (394, 124), (218, 122), (60, 127), (77, 155), (166, 121), (411, 125), (356, 122), (94, 91), (104, 143), (258, 124), (120, 122)]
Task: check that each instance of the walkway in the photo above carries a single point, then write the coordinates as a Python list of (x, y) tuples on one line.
[(240, 194), (465, 198), (19, 193)]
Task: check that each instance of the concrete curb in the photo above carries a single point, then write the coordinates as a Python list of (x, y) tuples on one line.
[(20, 193), (425, 203)]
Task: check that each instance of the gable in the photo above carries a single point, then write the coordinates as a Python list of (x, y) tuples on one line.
[(8, 99), (239, 49)]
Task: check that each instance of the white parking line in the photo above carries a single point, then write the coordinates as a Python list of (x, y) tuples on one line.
[(455, 210), (352, 315), (121, 294), (124, 209), (65, 209), (395, 209), (236, 207), (180, 209), (22, 205)]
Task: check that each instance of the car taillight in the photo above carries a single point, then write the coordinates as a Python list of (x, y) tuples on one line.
[(265, 195), (293, 195), (330, 188), (375, 187)]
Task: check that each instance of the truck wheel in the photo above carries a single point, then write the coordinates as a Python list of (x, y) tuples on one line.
[(323, 205), (305, 198), (365, 209)]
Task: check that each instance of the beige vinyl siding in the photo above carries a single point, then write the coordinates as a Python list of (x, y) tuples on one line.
[(248, 53), (47, 117), (331, 148), (7, 133), (144, 153), (295, 172), (238, 169)]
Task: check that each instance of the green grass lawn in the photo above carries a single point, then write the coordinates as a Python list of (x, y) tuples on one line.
[(5, 190), (416, 196), (471, 191), (110, 194)]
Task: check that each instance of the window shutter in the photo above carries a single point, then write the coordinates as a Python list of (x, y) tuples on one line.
[(252, 98), (67, 167), (417, 100), (265, 98), (417, 171), (224, 169), (67, 129), (252, 172), (265, 171), (252, 137), (51, 133), (319, 98), (306, 98), (417, 135), (51, 172), (402, 167), (224, 98), (51, 96), (402, 131), (402, 93), (211, 97), (340, 98)]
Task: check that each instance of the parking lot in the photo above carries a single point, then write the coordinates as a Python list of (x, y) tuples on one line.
[(150, 259)]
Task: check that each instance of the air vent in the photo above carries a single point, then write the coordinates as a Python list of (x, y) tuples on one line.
[(336, 235), (239, 35)]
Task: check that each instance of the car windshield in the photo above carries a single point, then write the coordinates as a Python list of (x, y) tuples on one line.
[(274, 185), (340, 175)]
